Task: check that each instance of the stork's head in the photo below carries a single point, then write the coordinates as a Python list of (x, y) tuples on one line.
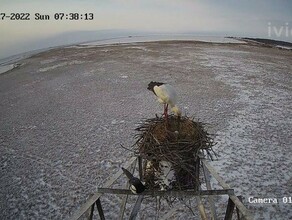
[(152, 84), (176, 110)]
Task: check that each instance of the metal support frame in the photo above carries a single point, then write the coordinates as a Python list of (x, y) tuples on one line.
[(233, 201), (99, 208), (242, 209), (229, 210), (136, 207), (172, 193), (86, 206), (125, 199), (211, 197)]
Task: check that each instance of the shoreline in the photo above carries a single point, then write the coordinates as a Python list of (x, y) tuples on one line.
[(11, 62), (114, 40)]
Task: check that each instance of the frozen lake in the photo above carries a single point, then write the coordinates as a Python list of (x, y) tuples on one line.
[(65, 112), (123, 39), (160, 37)]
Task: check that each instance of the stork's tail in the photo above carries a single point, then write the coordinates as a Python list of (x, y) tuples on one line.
[(176, 110), (127, 173)]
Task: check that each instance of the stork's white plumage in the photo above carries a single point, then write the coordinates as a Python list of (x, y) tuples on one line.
[(166, 95)]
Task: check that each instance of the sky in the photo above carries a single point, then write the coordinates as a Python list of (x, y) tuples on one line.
[(248, 18)]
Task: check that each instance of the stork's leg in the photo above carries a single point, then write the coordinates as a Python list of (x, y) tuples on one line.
[(166, 111), (166, 115)]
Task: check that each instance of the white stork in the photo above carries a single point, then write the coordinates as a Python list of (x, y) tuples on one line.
[(166, 95)]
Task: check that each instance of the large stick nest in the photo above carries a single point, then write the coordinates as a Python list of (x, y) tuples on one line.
[(177, 141)]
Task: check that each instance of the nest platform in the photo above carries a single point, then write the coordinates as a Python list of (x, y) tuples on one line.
[(183, 143), (176, 141)]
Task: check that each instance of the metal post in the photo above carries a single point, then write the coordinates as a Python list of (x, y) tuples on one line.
[(197, 174), (125, 199), (91, 212), (211, 197), (201, 208), (136, 208), (237, 210), (140, 168), (229, 210), (99, 208)]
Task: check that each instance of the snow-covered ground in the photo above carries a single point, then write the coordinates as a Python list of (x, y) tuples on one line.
[(65, 112)]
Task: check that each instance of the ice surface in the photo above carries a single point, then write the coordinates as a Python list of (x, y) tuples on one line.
[(284, 47), (4, 69), (65, 113), (58, 65), (161, 37)]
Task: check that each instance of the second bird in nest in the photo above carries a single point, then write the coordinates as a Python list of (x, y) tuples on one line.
[(166, 95)]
